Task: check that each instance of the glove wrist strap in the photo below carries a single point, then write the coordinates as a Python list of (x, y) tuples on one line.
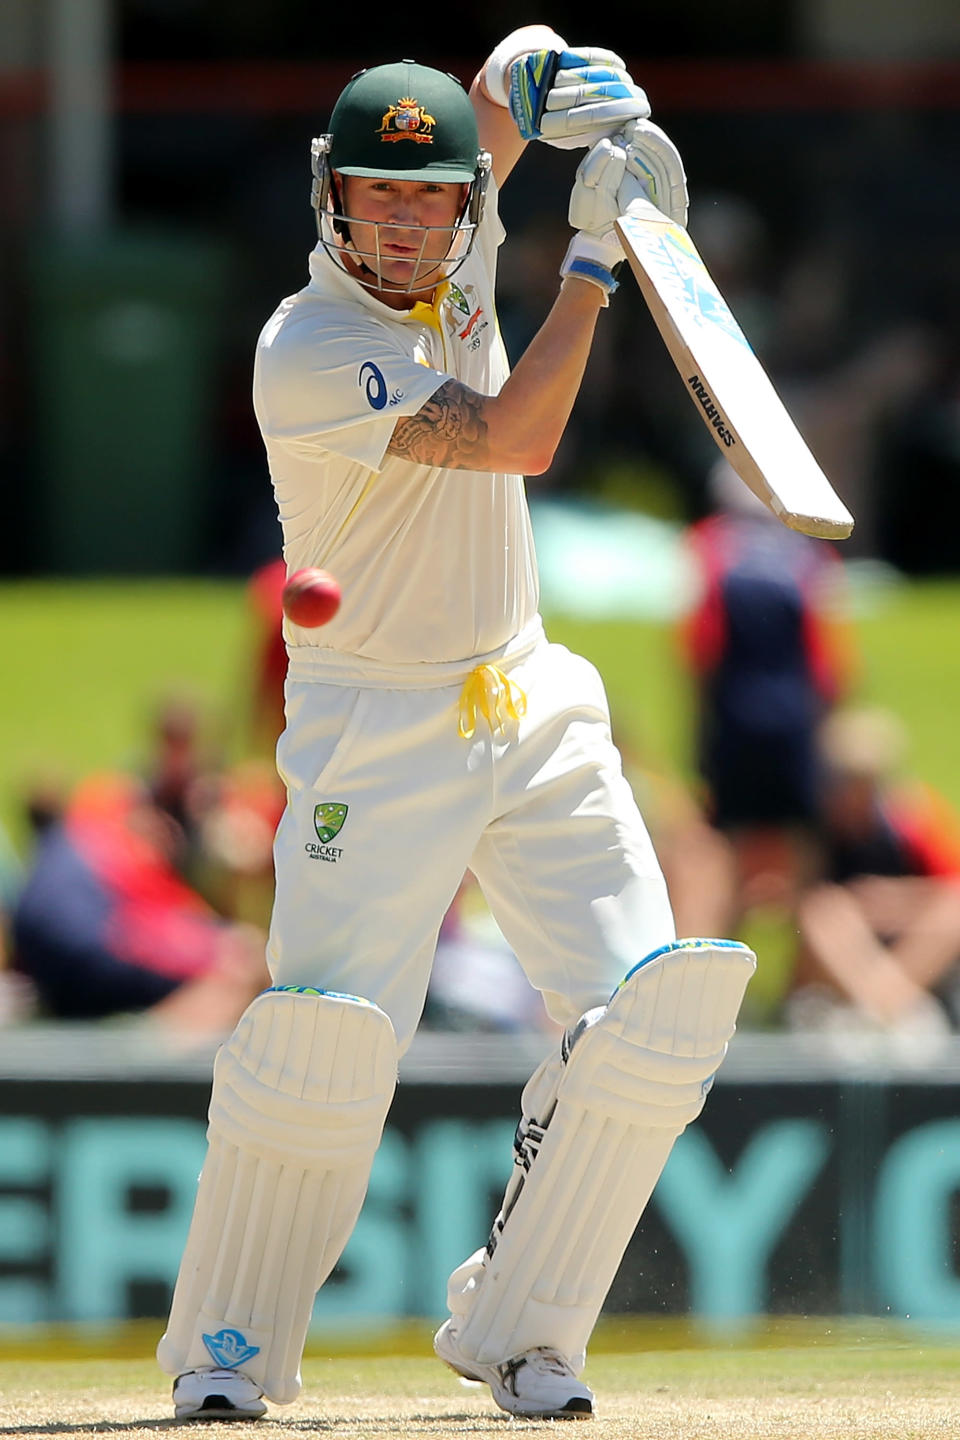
[(589, 257), (495, 76)]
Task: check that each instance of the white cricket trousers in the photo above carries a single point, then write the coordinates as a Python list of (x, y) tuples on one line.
[(540, 813)]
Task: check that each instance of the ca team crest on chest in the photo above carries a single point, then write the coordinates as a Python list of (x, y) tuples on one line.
[(465, 317)]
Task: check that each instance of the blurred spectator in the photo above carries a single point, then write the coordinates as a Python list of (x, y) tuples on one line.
[(225, 816), (265, 590), (13, 999), (105, 923), (233, 859), (176, 763), (44, 799), (880, 936), (697, 861), (769, 657)]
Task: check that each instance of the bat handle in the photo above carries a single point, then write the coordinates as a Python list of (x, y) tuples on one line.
[(642, 209)]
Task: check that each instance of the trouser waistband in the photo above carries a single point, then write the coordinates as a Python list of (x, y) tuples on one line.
[(335, 667)]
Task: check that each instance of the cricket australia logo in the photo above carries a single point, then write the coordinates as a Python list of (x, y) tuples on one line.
[(407, 120), (230, 1349), (328, 819)]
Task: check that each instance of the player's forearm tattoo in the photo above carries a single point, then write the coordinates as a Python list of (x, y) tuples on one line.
[(449, 430)]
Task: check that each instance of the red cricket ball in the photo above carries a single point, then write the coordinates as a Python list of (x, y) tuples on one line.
[(311, 597)]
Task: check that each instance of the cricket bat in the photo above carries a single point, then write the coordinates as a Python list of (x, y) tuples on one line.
[(724, 378)]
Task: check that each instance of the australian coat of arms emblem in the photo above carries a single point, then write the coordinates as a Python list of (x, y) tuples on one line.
[(407, 120)]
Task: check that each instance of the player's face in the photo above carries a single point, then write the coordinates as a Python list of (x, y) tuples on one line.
[(402, 229)]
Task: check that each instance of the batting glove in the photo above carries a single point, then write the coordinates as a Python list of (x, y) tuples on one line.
[(565, 97), (602, 190), (654, 161)]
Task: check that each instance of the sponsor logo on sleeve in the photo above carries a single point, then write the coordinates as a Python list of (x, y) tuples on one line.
[(371, 378)]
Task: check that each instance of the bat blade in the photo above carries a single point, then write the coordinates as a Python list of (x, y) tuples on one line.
[(724, 378)]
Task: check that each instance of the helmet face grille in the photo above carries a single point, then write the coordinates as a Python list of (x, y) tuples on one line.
[(339, 231), (407, 121)]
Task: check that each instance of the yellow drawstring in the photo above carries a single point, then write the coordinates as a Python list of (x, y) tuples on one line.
[(488, 692)]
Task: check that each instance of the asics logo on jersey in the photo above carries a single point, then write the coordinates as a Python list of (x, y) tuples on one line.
[(371, 377)]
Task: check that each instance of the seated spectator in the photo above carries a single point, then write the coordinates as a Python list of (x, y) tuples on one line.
[(105, 924), (880, 935)]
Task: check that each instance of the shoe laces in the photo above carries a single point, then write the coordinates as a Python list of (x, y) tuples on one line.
[(547, 1361)]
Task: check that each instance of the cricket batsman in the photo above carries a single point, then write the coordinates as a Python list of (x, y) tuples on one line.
[(430, 728)]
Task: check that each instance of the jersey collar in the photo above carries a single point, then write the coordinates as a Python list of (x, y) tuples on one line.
[(329, 279)]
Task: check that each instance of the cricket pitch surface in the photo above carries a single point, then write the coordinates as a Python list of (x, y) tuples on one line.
[(840, 1386)]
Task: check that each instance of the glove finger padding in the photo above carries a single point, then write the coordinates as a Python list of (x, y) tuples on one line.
[(581, 57), (594, 202), (595, 249), (654, 161), (570, 97), (581, 110)]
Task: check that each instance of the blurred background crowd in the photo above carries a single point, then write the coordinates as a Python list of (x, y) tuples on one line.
[(154, 187)]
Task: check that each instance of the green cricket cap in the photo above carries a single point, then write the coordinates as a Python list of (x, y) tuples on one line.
[(406, 121)]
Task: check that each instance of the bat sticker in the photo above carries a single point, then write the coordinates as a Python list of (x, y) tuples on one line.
[(681, 268)]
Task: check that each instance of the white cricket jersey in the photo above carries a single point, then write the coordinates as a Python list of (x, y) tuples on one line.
[(435, 565)]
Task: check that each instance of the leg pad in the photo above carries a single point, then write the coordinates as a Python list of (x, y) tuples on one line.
[(599, 1124), (300, 1095)]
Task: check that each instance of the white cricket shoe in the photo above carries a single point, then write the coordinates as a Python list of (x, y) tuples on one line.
[(538, 1383), (217, 1395)]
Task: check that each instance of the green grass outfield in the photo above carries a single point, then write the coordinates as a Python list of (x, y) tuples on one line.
[(84, 663), (806, 1382)]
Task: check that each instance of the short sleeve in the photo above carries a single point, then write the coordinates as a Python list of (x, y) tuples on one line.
[(490, 233), (332, 387)]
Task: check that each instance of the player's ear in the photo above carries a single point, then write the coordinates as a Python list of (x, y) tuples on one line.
[(338, 190)]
